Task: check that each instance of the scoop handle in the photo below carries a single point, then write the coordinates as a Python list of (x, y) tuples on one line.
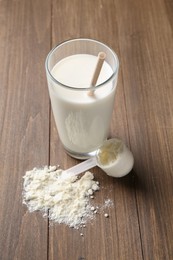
[(81, 167)]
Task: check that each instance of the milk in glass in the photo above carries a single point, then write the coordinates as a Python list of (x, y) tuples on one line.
[(82, 120)]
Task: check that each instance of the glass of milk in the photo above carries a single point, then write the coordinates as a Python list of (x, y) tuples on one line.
[(82, 119)]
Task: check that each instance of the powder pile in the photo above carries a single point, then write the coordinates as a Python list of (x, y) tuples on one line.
[(63, 200)]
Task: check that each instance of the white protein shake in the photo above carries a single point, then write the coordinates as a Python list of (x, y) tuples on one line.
[(82, 120)]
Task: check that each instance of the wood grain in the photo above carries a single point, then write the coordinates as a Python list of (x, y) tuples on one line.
[(103, 239), (146, 55), (140, 222), (24, 128)]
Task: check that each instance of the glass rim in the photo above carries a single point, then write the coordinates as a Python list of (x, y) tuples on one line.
[(83, 88)]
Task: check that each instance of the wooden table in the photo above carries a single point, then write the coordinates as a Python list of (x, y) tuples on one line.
[(140, 225)]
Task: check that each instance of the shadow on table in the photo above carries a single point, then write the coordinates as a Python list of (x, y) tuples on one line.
[(133, 181)]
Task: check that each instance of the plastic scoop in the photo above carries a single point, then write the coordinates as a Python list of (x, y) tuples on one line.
[(113, 157)]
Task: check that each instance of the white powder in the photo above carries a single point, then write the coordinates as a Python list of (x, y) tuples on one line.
[(64, 200), (108, 203)]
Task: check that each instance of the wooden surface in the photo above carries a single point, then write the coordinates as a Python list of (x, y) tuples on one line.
[(141, 33)]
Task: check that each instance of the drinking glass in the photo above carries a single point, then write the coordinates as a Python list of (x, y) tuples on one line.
[(82, 120)]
